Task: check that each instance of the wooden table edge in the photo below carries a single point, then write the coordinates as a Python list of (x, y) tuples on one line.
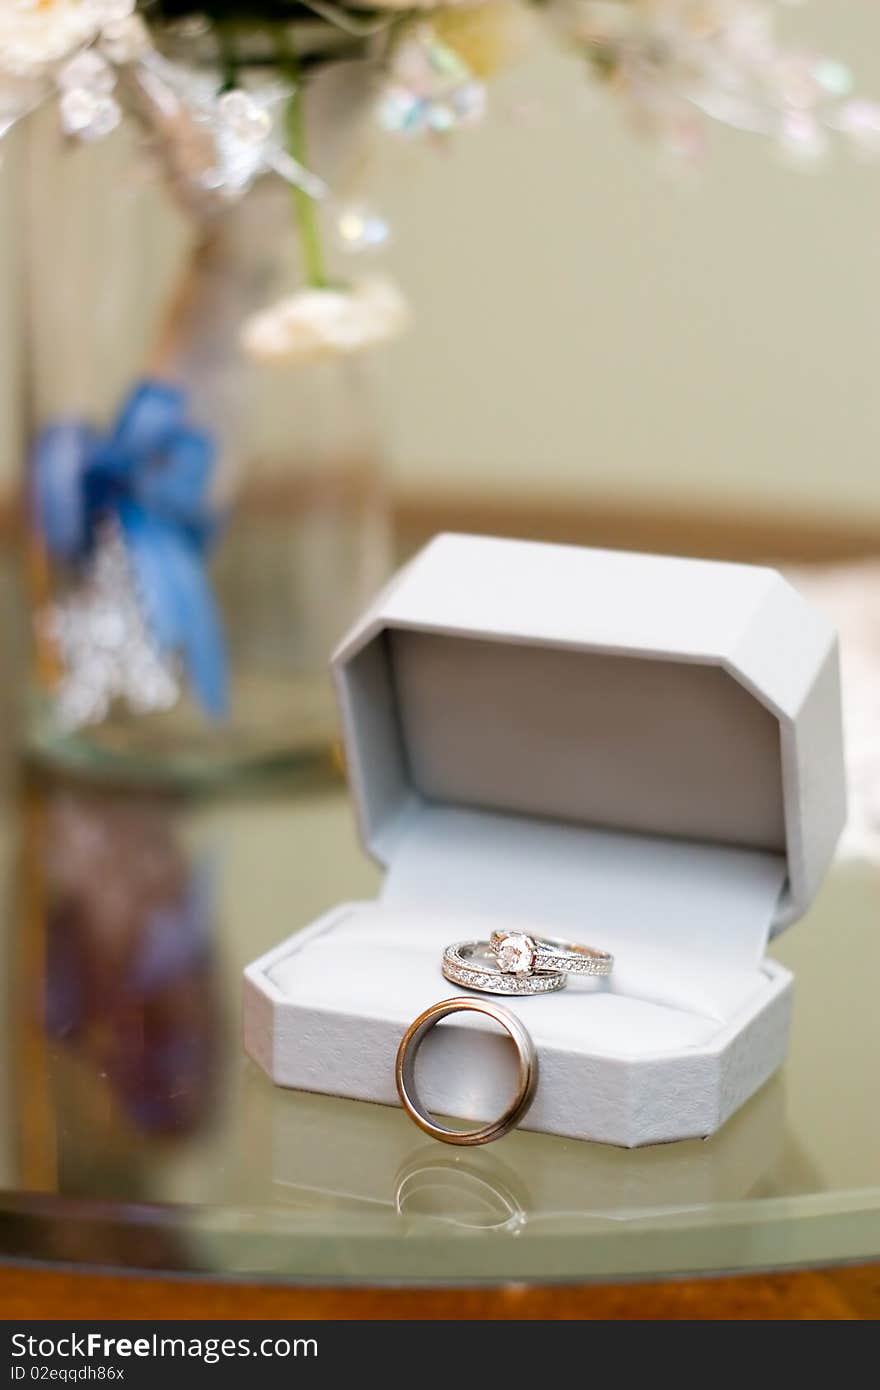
[(850, 1293)]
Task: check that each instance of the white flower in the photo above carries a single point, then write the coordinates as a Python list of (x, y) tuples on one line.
[(37, 34), (320, 323)]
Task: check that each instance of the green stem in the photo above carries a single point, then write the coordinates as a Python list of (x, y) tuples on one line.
[(226, 35), (306, 207)]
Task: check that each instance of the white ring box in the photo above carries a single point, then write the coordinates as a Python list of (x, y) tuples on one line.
[(639, 752)]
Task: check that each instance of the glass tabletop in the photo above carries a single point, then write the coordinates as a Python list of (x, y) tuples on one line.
[(136, 1133)]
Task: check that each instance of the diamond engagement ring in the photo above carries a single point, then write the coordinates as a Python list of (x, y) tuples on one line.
[(474, 964), (405, 1071), (520, 956)]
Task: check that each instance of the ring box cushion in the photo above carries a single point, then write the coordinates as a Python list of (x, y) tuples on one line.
[(638, 752)]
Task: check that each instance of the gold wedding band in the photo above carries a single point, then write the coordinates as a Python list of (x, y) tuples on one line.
[(404, 1072)]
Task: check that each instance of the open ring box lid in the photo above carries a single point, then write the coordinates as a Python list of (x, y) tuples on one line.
[(637, 752)]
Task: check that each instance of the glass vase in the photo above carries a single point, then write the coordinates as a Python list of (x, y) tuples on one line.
[(187, 586)]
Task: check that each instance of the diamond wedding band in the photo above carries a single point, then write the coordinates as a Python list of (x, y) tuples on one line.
[(520, 956), (474, 964)]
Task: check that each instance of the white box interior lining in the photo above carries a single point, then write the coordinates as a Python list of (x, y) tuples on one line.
[(664, 747), (687, 922)]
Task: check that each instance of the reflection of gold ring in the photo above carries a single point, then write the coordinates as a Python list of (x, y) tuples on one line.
[(404, 1071), (476, 1196)]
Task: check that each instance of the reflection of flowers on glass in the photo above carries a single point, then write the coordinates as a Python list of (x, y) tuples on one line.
[(128, 513), (129, 957)]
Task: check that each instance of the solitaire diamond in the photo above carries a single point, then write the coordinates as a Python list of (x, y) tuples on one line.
[(516, 954)]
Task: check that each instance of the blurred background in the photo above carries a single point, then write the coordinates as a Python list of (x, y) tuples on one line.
[(593, 332)]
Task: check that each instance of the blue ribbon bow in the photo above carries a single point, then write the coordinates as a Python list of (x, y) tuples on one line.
[(151, 474)]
